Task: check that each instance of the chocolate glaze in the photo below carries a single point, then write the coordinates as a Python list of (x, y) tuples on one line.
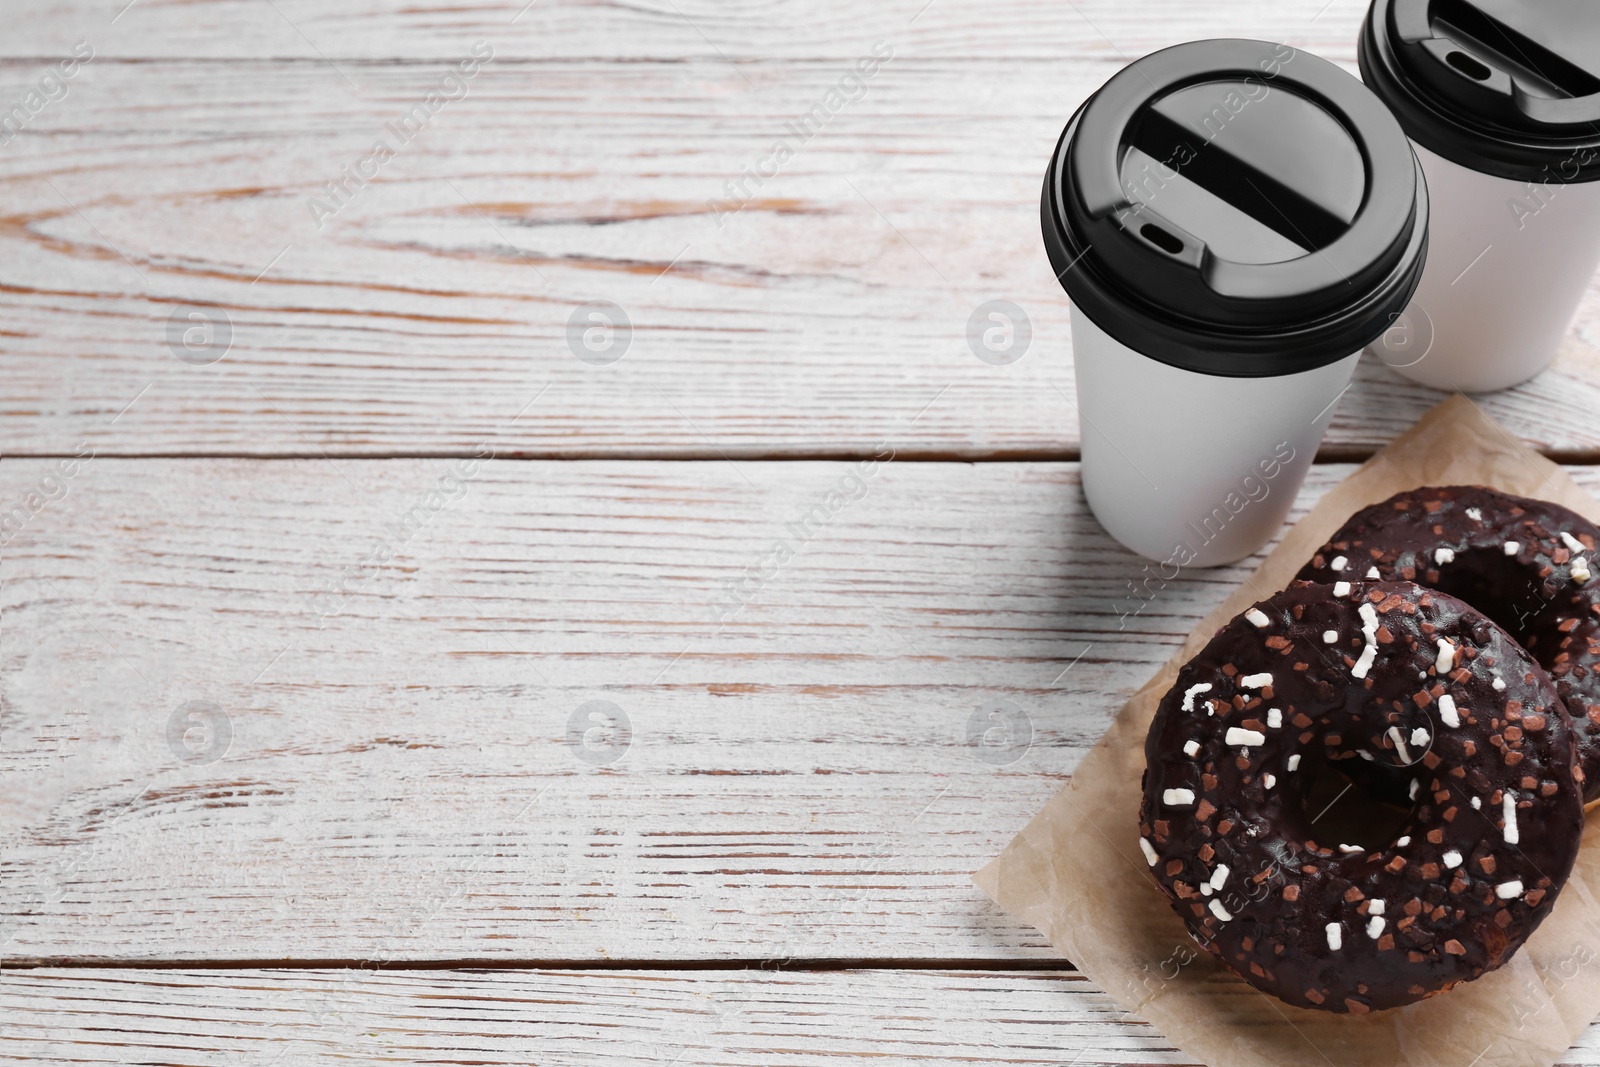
[(1458, 895), (1533, 593)]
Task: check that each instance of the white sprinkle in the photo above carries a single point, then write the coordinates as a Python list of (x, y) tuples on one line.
[(1452, 859), (1219, 911), (1372, 572), (1258, 618), (1512, 548), (1191, 748), (1508, 807), (1364, 754), (1330, 637), (1368, 657), (1268, 781), (1256, 681), (1219, 877), (1576, 546), (1474, 514), (1369, 633), (1419, 737), (1499, 684), (1376, 906), (1446, 658), (1188, 697), (1238, 735), (1399, 740), (1339, 563), (1351, 848), (1375, 927), (1335, 937), (1294, 762), (1447, 711), (1205, 889), (1415, 785), (1274, 717), (1580, 570), (1508, 890), (1149, 852), (1177, 798), (1341, 588), (1442, 556), (1477, 803)]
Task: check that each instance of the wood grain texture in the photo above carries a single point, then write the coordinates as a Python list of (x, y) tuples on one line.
[(815, 775), (422, 316), (242, 1018), (747, 30)]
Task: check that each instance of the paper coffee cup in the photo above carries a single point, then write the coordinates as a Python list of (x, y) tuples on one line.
[(1502, 100), (1233, 222)]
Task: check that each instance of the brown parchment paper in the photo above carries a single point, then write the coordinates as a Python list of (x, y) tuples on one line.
[(1076, 872)]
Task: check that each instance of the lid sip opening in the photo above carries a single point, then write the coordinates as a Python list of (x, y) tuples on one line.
[(1237, 208)]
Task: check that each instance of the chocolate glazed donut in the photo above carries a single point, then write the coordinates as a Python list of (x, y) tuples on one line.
[(1524, 563), (1412, 686)]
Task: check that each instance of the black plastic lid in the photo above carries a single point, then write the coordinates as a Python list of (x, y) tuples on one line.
[(1236, 208), (1506, 87)]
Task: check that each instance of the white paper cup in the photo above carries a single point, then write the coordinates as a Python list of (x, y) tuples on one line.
[(1502, 102), (1233, 222), (1170, 469)]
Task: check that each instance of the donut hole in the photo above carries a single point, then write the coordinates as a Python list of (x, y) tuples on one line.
[(1351, 801), (1500, 587)]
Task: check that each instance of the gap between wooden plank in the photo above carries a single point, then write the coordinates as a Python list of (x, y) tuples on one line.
[(818, 965), (1336, 454)]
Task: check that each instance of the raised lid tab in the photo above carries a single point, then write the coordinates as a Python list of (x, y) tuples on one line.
[(1280, 158)]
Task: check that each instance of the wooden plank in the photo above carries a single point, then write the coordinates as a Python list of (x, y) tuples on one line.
[(219, 708), (301, 29), (426, 313), (802, 777), (749, 1017)]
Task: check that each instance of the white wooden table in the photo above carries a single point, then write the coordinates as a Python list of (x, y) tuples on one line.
[(298, 736)]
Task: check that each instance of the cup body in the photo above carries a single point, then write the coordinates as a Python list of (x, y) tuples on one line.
[(1508, 264), (1194, 469)]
